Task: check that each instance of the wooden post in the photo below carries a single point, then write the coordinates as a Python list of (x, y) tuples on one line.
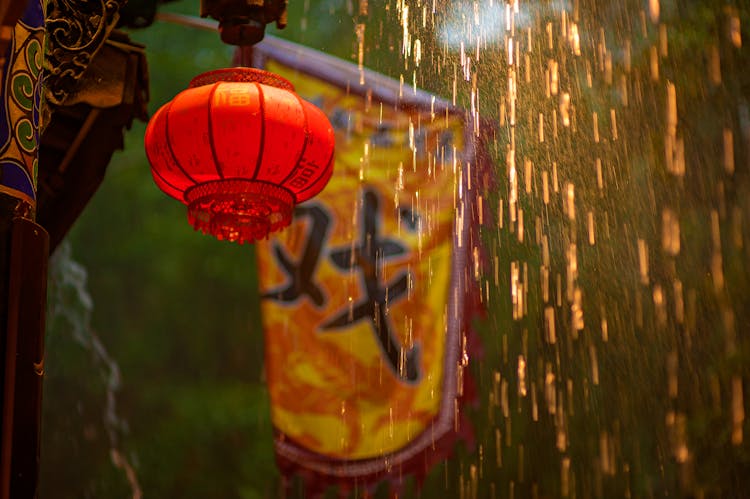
[(26, 289), (24, 250)]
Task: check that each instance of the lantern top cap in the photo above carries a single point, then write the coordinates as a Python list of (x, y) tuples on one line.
[(241, 75)]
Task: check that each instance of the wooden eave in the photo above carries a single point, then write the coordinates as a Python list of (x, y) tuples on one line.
[(81, 136)]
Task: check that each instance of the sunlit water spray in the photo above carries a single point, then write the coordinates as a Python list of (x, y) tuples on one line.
[(616, 257), (70, 337)]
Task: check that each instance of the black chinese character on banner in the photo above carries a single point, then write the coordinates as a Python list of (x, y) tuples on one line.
[(367, 257), (301, 273)]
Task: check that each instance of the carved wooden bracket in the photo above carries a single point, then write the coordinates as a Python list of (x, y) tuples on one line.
[(76, 30)]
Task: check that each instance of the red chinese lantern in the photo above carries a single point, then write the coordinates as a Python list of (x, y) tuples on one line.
[(240, 149)]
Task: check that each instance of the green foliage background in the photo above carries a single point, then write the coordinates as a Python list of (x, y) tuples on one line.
[(178, 311)]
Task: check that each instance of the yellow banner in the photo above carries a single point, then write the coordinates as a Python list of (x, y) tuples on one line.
[(357, 308)]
